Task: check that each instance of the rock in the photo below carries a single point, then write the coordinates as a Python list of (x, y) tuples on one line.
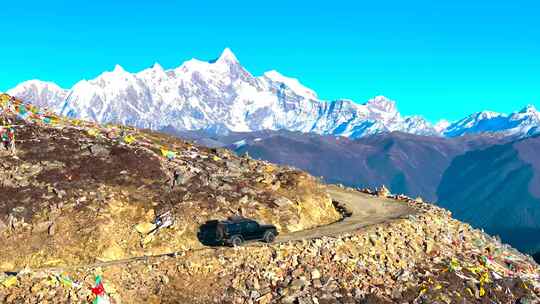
[(297, 284), (19, 209), (99, 150), (59, 193), (41, 227), (396, 294), (3, 225), (289, 299), (254, 294), (529, 300), (348, 300), (283, 202), (147, 240), (52, 229), (164, 220), (275, 186), (305, 300), (265, 299), (111, 253), (181, 178), (315, 274), (6, 266), (297, 272), (244, 200), (383, 192), (256, 284), (145, 228), (10, 281)]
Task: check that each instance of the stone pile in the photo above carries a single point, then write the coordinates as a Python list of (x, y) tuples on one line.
[(423, 259), (427, 258)]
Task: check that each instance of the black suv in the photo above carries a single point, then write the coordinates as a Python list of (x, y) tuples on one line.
[(234, 231)]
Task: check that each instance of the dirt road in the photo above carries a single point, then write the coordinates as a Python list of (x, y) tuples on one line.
[(366, 210)]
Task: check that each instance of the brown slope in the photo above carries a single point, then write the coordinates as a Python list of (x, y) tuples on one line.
[(70, 197)]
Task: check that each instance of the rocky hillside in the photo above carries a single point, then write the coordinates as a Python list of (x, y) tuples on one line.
[(72, 184), (479, 178), (79, 200)]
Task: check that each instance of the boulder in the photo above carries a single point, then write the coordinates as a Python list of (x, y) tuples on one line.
[(145, 228), (383, 192), (99, 150), (283, 202), (111, 253), (315, 274)]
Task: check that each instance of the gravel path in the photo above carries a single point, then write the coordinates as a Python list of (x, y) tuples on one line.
[(366, 210)]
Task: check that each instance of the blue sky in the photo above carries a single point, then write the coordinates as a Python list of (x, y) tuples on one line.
[(439, 59)]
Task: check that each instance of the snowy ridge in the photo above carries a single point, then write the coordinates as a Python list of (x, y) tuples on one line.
[(221, 96), (523, 123), (43, 94)]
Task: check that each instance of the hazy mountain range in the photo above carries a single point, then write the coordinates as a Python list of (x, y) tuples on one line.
[(221, 96)]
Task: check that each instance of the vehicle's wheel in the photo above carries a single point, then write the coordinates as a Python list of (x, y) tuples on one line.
[(236, 241), (269, 237)]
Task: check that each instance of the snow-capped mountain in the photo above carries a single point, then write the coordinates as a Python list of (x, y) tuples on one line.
[(523, 123), (43, 94), (220, 96)]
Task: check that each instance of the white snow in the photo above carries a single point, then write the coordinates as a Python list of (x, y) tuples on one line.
[(227, 56), (240, 143), (291, 83), (441, 125), (222, 95)]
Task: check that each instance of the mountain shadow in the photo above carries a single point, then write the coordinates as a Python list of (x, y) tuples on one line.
[(408, 164), (493, 189), (536, 257)]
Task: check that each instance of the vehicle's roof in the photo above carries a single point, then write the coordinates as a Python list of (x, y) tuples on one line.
[(236, 220)]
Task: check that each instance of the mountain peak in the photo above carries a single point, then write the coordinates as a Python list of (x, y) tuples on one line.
[(486, 115), (529, 109), (380, 99), (157, 66), (200, 93), (37, 83), (118, 69), (227, 56), (441, 125), (382, 103)]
